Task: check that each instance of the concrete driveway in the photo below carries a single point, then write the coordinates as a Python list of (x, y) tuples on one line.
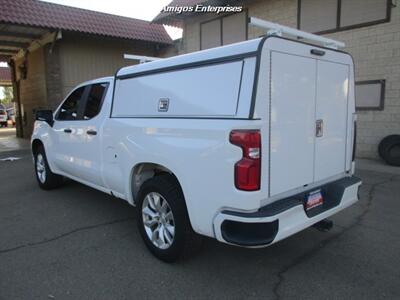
[(78, 243), (9, 142)]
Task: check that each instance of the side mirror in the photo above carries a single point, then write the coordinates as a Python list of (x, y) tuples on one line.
[(45, 115)]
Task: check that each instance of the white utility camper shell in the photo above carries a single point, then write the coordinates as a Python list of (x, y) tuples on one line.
[(292, 86), (222, 79)]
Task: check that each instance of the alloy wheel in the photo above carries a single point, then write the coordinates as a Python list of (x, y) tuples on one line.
[(158, 220), (40, 168)]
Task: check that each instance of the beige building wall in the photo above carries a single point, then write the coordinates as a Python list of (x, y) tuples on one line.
[(280, 11), (170, 50), (54, 69), (376, 53), (84, 58), (32, 89)]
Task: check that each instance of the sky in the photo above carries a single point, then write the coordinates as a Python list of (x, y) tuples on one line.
[(138, 9)]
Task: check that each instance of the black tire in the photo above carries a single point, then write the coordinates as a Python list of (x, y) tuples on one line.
[(185, 240), (385, 142), (389, 149), (51, 180)]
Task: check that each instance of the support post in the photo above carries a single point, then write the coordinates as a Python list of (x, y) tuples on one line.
[(16, 95)]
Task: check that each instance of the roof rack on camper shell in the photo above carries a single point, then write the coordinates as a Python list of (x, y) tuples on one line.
[(277, 29), (273, 29)]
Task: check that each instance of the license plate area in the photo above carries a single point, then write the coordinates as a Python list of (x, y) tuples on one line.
[(313, 201)]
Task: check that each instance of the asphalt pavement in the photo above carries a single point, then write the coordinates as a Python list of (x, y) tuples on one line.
[(78, 243)]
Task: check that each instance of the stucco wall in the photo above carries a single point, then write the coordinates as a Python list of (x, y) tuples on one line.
[(376, 53), (83, 58), (54, 69)]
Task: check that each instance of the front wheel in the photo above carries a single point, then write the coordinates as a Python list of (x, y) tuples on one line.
[(46, 179), (163, 220)]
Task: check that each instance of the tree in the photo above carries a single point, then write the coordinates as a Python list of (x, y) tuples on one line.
[(7, 95)]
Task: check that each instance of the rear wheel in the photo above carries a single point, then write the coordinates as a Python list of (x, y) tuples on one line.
[(163, 220), (158, 220), (47, 180)]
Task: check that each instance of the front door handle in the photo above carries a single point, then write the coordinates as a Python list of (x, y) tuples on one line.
[(91, 132), (67, 130)]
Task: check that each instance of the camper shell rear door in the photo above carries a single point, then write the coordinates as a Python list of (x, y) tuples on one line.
[(308, 91)]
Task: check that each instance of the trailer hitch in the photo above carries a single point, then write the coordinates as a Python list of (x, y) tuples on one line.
[(324, 225)]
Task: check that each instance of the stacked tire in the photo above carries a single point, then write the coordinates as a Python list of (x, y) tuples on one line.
[(389, 149)]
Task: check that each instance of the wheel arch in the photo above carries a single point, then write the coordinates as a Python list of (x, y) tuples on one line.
[(144, 171), (35, 145)]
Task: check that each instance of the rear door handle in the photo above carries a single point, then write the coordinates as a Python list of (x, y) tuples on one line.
[(67, 130), (317, 52), (91, 132)]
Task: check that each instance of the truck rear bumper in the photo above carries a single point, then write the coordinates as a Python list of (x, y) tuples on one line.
[(284, 217)]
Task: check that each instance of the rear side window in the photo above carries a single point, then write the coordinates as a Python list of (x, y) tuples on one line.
[(95, 100), (69, 109)]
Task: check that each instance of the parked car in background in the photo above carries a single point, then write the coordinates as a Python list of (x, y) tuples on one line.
[(3, 117), (11, 116)]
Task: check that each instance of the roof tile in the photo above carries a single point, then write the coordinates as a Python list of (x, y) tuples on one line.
[(55, 16)]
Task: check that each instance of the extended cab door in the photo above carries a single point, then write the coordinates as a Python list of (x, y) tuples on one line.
[(79, 141), (66, 133)]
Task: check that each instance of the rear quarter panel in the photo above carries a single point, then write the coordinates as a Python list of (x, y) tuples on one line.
[(197, 151)]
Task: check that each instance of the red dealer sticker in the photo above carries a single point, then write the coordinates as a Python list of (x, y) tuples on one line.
[(314, 199)]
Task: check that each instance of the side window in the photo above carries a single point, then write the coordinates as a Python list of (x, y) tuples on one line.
[(370, 94), (95, 100), (69, 109)]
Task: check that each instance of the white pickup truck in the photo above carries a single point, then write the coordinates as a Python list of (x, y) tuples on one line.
[(247, 143)]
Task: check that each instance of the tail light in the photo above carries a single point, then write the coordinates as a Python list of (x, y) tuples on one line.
[(248, 169)]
